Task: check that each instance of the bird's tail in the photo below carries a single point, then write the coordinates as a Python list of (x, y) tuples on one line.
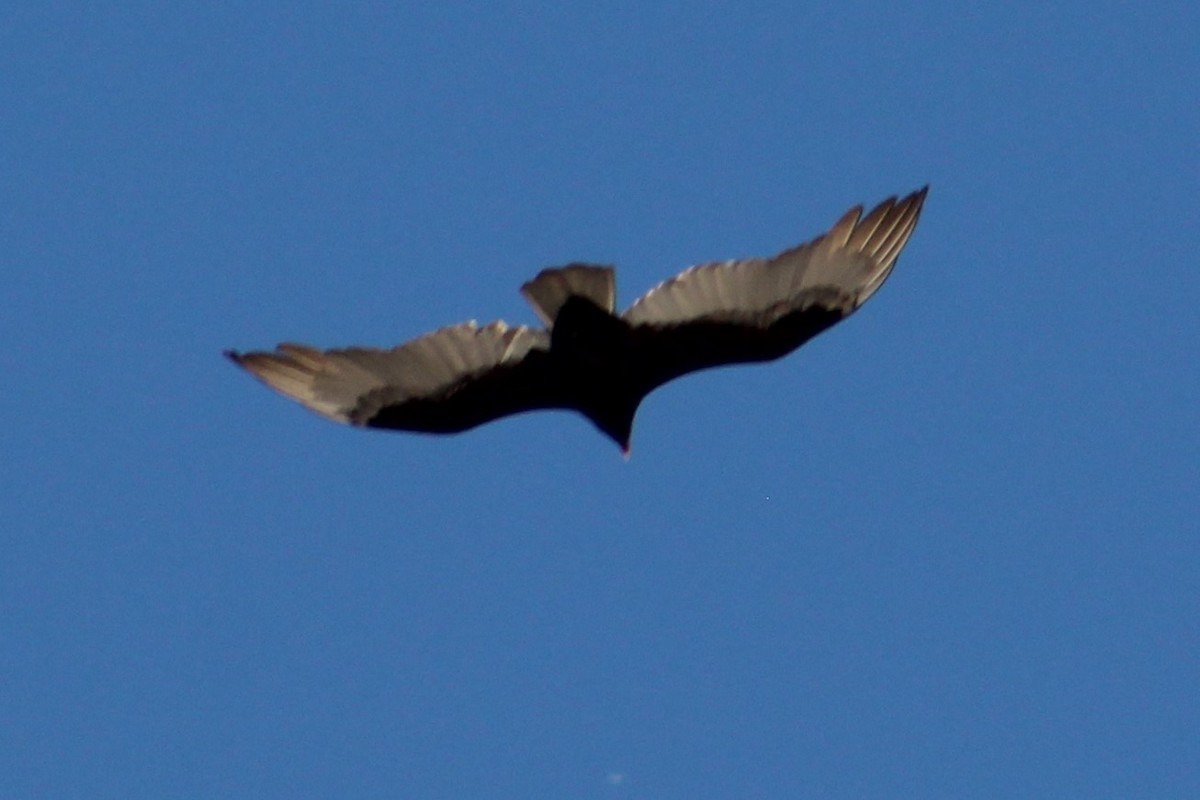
[(550, 289)]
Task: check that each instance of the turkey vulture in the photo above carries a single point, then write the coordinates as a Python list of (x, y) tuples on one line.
[(588, 358)]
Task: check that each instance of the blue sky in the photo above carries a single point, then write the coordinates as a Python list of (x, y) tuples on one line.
[(948, 549)]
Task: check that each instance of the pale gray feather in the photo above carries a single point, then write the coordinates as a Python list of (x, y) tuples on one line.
[(849, 262), (352, 384)]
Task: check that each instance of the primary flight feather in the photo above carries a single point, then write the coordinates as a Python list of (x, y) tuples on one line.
[(588, 358)]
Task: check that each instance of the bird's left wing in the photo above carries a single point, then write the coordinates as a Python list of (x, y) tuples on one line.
[(760, 309), (447, 381)]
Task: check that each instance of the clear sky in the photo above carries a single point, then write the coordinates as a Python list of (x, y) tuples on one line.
[(950, 548)]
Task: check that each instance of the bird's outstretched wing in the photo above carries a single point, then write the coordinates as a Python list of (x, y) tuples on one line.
[(760, 309), (446, 381)]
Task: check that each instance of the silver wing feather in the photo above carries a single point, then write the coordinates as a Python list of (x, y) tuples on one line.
[(849, 262), (353, 384)]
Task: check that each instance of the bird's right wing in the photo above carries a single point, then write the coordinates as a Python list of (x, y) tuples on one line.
[(447, 381), (758, 309)]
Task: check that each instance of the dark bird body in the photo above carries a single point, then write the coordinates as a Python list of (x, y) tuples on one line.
[(589, 359)]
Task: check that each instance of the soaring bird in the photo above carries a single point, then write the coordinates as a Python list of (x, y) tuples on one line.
[(588, 358)]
